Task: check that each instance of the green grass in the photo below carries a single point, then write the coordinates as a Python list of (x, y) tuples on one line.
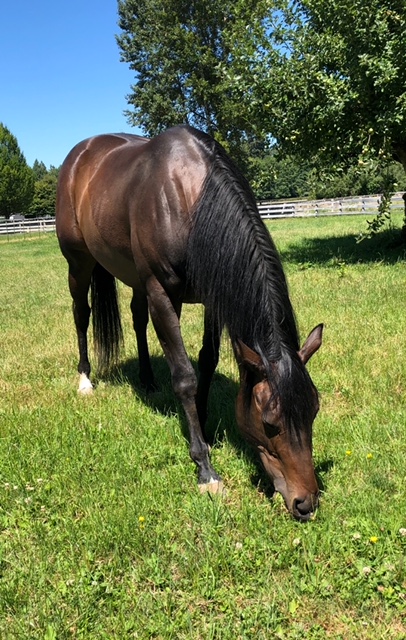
[(103, 533)]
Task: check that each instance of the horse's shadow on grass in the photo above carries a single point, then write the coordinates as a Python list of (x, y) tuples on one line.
[(221, 421), (386, 247)]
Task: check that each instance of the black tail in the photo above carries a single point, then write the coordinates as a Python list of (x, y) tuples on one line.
[(107, 330)]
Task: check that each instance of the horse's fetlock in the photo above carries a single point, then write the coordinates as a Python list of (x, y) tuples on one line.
[(200, 454)]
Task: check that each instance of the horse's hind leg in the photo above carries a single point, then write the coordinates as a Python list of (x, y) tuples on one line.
[(81, 266), (139, 309), (208, 360)]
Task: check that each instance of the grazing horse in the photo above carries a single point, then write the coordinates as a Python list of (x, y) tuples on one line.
[(173, 218)]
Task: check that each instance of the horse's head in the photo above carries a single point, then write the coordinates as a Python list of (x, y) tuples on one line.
[(285, 449)]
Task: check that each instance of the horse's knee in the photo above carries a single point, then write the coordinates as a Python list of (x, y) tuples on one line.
[(185, 385)]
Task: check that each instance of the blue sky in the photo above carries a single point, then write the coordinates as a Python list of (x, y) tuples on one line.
[(61, 79)]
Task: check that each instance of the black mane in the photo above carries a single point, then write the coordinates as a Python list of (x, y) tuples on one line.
[(233, 264), (235, 270)]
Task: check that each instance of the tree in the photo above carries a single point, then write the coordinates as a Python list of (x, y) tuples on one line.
[(335, 88), (39, 169), (339, 83), (356, 181), (16, 177), (44, 200), (319, 80), (277, 178), (187, 58)]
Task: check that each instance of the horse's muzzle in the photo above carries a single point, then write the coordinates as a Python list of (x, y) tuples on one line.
[(304, 509)]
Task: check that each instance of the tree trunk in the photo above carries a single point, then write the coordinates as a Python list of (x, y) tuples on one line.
[(403, 229), (400, 156)]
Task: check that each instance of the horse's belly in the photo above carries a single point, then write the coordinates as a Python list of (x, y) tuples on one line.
[(119, 266), (123, 269), (132, 249)]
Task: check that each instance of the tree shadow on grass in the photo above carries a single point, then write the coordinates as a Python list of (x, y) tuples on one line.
[(385, 247), (221, 421)]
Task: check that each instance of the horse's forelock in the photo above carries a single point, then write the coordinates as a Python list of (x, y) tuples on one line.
[(296, 393)]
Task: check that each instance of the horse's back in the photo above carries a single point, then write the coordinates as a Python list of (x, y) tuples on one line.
[(102, 144), (87, 155)]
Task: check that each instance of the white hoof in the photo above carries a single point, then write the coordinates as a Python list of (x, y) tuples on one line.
[(214, 487), (85, 386)]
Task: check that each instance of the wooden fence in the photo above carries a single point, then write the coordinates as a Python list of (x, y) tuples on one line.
[(353, 205)]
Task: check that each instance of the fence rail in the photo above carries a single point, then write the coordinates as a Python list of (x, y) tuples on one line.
[(353, 205), (28, 225)]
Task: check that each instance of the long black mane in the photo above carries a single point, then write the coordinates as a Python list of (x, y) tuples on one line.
[(235, 270)]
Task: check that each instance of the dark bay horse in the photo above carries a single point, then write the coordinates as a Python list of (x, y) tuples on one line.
[(173, 218)]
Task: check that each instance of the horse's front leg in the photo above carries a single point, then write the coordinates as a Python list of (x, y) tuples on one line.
[(208, 360), (166, 322)]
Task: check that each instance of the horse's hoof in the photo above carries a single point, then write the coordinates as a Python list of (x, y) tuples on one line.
[(88, 391), (150, 388), (85, 386), (214, 487)]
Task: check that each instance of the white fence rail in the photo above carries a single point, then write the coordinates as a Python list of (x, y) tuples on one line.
[(353, 205), (29, 225)]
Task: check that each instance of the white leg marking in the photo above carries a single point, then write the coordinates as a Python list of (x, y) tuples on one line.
[(85, 386)]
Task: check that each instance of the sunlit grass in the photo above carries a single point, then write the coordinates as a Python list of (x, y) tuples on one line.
[(103, 533)]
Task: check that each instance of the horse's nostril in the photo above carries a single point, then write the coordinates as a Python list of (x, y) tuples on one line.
[(303, 509)]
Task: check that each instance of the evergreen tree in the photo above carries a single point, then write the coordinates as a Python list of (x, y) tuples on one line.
[(44, 200), (39, 169), (16, 177)]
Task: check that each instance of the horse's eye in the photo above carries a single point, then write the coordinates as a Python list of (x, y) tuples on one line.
[(270, 430)]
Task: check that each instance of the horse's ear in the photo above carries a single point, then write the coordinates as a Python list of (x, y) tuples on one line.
[(246, 356), (312, 344)]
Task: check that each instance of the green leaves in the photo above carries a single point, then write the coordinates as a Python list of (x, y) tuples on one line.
[(44, 200), (312, 75), (344, 72)]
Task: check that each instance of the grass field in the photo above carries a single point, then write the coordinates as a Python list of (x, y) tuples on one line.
[(103, 533)]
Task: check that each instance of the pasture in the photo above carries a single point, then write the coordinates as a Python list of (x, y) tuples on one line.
[(103, 533)]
